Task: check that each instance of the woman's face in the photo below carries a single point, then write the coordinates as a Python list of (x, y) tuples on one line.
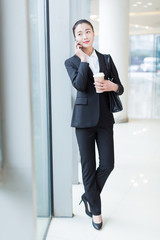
[(84, 35)]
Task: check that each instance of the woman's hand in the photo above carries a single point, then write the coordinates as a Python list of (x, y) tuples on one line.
[(79, 52), (106, 86)]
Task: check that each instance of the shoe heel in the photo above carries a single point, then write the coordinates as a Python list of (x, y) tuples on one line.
[(80, 202), (86, 206)]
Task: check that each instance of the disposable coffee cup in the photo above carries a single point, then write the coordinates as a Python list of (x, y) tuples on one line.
[(97, 78)]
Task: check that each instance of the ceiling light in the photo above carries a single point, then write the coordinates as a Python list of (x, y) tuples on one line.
[(93, 17), (136, 26), (132, 180), (145, 181), (141, 175), (146, 27), (139, 2), (145, 13), (149, 4), (134, 5), (135, 184), (144, 129), (145, 6)]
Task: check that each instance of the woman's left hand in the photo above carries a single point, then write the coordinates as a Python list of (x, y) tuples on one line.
[(106, 86)]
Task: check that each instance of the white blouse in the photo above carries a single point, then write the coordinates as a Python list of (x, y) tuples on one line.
[(93, 62)]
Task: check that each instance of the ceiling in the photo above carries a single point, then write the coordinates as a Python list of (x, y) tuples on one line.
[(144, 16)]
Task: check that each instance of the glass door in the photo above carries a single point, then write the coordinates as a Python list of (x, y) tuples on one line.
[(156, 93), (144, 77), (41, 112)]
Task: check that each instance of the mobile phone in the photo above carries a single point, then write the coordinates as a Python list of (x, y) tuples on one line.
[(78, 43)]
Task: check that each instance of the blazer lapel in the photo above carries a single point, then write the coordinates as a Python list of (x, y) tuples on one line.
[(102, 64)]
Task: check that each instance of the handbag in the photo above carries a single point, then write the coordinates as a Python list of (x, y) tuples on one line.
[(115, 103)]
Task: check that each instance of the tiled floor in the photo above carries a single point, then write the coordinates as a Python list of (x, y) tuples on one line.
[(131, 196)]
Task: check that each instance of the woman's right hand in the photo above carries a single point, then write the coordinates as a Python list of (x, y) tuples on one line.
[(79, 52)]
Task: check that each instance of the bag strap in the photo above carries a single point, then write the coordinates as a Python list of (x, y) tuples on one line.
[(108, 64)]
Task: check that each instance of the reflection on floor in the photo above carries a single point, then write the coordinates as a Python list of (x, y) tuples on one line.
[(131, 196), (42, 224)]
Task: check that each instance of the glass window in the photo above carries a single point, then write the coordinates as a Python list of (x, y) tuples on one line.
[(141, 53), (156, 84), (143, 77), (41, 113), (157, 54)]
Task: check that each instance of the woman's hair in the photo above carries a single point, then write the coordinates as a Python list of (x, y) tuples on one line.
[(80, 22)]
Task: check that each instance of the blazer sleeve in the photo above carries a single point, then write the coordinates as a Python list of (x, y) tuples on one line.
[(115, 77), (79, 77)]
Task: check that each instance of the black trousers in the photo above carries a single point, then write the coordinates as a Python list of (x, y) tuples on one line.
[(94, 177)]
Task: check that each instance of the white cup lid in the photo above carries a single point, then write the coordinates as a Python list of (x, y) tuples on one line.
[(100, 74)]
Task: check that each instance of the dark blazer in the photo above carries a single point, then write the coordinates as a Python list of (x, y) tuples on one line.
[(86, 110)]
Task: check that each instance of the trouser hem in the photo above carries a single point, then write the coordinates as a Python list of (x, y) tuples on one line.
[(96, 213)]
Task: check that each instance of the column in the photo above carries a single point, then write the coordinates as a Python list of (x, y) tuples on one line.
[(61, 108), (114, 40)]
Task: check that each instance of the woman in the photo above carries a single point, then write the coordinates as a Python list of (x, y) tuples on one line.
[(92, 118)]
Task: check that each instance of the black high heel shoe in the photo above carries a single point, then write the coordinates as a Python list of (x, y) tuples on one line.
[(86, 205), (97, 226)]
